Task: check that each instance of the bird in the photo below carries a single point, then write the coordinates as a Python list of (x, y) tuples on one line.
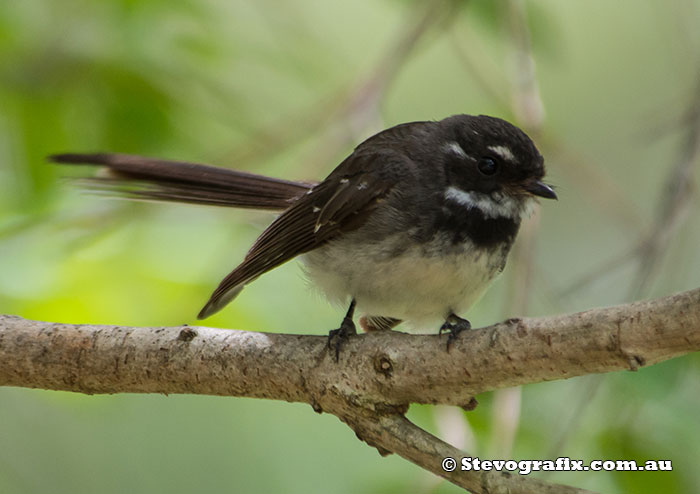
[(412, 226)]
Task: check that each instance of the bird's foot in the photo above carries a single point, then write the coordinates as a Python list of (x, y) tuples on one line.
[(336, 337), (455, 325)]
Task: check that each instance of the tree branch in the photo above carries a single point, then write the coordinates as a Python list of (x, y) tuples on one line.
[(378, 375)]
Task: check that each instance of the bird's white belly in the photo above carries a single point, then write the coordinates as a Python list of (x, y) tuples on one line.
[(419, 285)]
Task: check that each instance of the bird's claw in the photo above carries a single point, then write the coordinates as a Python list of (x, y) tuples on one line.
[(337, 337), (454, 325)]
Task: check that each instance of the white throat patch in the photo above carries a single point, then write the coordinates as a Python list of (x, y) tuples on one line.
[(495, 205)]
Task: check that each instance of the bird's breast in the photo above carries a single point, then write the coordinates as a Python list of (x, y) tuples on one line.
[(420, 282)]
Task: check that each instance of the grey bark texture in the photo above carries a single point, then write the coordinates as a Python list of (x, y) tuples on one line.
[(378, 374)]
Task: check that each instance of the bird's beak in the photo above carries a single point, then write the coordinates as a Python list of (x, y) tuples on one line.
[(540, 189)]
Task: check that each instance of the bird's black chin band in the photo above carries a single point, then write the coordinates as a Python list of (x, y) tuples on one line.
[(541, 189)]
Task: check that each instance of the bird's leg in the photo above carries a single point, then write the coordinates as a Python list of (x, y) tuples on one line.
[(455, 325), (337, 337)]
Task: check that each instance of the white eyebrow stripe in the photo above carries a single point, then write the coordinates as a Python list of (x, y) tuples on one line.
[(504, 152), (491, 207), (455, 148)]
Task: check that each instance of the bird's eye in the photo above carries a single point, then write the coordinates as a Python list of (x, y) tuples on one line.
[(487, 166)]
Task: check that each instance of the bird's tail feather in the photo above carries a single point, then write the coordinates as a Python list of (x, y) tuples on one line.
[(141, 178)]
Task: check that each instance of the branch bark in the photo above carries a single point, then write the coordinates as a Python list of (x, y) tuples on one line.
[(377, 377)]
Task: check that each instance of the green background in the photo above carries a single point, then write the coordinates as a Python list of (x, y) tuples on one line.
[(281, 88)]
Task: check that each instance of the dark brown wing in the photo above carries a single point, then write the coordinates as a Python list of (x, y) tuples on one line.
[(137, 177), (339, 203)]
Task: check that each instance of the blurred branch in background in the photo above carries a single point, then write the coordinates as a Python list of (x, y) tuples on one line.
[(582, 396), (487, 79), (526, 105), (597, 186), (675, 198), (527, 102), (674, 202), (377, 377), (528, 109), (350, 114)]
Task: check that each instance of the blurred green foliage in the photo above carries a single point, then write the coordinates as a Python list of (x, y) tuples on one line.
[(269, 86)]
